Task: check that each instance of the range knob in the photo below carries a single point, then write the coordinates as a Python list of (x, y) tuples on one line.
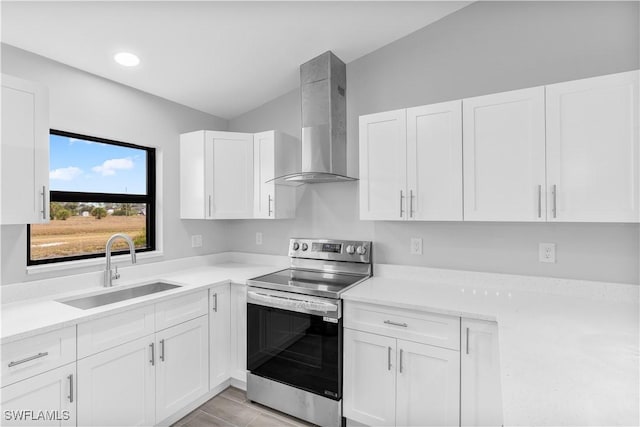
[(296, 246), (351, 250), (361, 250), (305, 246)]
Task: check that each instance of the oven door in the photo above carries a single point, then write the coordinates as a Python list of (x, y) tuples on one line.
[(300, 349)]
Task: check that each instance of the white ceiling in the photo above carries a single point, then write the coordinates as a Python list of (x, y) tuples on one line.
[(223, 58)]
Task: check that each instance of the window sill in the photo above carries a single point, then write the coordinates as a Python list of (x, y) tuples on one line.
[(70, 265)]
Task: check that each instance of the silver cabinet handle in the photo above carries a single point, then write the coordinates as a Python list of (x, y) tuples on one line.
[(70, 397), (539, 201), (28, 359), (389, 322), (401, 200), (467, 341), (162, 350), (44, 202), (389, 359), (153, 355), (209, 205), (215, 302), (400, 361), (554, 193), (411, 196), (270, 200)]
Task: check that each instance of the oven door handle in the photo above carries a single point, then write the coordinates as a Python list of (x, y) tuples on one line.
[(283, 302)]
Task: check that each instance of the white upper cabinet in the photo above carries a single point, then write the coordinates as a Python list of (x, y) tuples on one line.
[(592, 149), (434, 162), (274, 154), (383, 171), (504, 156), (216, 175), (25, 152)]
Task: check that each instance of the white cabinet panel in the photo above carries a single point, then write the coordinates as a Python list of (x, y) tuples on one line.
[(274, 155), (592, 149), (50, 396), (383, 174), (219, 335), (428, 385), (504, 156), (25, 152), (181, 309), (239, 332), (369, 387), (232, 174), (117, 387), (182, 366), (434, 162), (480, 390)]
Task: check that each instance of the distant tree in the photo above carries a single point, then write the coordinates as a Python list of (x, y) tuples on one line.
[(99, 212), (63, 214), (54, 207), (72, 207)]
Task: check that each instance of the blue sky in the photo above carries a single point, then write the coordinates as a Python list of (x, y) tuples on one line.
[(79, 165)]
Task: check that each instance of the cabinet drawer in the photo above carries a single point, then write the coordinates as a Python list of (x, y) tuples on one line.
[(182, 309), (428, 328), (31, 356), (107, 332)]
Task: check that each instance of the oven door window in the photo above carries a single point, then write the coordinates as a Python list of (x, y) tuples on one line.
[(298, 349)]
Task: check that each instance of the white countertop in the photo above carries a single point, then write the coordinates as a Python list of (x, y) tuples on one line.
[(569, 350), (34, 316)]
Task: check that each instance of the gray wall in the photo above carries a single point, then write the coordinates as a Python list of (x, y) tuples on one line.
[(90, 105), (484, 48)]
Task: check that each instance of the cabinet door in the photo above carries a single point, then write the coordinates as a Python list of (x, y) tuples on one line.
[(369, 386), (504, 156), (383, 169), (25, 152), (480, 394), (47, 399), (239, 332), (592, 149), (264, 170), (196, 180), (428, 385), (232, 169), (434, 161), (219, 336), (182, 366), (117, 386)]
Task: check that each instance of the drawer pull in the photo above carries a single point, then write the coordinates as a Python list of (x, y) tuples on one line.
[(28, 359), (389, 322)]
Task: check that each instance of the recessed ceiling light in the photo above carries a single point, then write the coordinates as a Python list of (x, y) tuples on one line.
[(126, 59)]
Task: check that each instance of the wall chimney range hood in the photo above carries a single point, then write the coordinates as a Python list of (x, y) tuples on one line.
[(323, 85)]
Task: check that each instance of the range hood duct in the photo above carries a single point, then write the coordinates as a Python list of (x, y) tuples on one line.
[(323, 85)]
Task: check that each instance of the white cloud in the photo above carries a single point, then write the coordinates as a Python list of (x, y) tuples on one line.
[(110, 166), (84, 141), (65, 174)]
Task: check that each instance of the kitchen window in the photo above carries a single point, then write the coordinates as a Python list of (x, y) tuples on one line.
[(98, 187)]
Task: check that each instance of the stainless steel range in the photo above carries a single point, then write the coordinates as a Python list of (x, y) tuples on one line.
[(294, 328)]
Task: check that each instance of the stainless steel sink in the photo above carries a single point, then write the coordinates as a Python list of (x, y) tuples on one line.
[(117, 296)]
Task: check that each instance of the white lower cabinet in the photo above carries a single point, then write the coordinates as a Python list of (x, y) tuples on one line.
[(182, 366), (48, 399), (480, 393), (219, 335), (239, 332), (117, 386), (390, 381)]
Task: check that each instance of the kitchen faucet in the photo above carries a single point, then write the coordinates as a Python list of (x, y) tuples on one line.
[(108, 275)]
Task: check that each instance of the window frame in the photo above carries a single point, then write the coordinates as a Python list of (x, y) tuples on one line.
[(75, 196)]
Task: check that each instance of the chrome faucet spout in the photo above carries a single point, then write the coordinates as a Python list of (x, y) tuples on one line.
[(108, 274)]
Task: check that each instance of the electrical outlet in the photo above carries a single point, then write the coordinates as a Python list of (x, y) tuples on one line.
[(416, 246), (547, 252), (258, 238), (196, 241)]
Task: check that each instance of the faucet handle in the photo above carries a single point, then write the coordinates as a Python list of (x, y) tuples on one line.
[(116, 275)]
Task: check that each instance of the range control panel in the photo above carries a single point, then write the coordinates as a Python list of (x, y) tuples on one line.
[(328, 249)]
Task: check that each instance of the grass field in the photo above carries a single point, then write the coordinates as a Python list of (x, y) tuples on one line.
[(80, 235)]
